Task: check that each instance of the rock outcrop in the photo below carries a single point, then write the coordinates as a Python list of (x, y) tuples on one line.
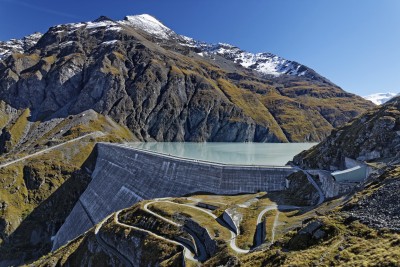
[(374, 136), (313, 233)]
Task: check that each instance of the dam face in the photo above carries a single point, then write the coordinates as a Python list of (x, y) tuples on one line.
[(124, 175)]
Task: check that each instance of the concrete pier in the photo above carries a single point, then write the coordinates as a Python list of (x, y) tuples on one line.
[(124, 175)]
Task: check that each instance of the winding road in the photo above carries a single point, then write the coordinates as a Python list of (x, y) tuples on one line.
[(127, 262), (267, 208), (188, 254), (276, 221), (201, 250), (232, 241), (316, 186), (110, 248), (321, 194), (95, 134)]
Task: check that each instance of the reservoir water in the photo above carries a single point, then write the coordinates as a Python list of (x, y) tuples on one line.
[(277, 154)]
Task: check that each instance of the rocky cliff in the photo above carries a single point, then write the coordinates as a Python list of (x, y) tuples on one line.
[(372, 137), (167, 87)]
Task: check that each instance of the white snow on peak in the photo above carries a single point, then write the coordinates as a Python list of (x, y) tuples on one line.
[(265, 63), (64, 44), (148, 24), (380, 98), (18, 45), (110, 42), (100, 24), (90, 25)]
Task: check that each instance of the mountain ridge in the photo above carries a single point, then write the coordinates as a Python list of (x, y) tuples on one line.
[(109, 66), (263, 62)]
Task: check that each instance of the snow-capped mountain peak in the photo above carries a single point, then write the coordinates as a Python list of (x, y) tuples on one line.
[(148, 24), (380, 98), (264, 63)]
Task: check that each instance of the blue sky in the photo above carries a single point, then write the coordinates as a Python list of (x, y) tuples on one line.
[(354, 43)]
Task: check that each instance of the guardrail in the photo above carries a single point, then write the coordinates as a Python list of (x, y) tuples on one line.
[(198, 161)]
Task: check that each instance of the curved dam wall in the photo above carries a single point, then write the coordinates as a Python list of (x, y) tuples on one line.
[(124, 175)]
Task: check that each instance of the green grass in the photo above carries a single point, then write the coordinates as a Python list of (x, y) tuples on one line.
[(18, 129), (50, 60), (169, 210), (249, 222), (251, 106)]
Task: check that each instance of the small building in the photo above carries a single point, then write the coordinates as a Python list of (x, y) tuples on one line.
[(355, 174)]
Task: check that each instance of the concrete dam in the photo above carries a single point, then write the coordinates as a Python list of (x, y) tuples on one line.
[(124, 175)]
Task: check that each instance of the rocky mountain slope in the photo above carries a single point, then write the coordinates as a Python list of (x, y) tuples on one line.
[(167, 87), (373, 137), (378, 205), (18, 45)]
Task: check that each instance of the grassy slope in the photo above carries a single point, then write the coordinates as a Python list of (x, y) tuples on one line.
[(353, 244), (37, 194)]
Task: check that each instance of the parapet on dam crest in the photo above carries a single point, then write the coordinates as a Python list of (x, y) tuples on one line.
[(124, 175)]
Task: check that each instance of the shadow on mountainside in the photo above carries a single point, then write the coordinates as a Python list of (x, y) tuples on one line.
[(32, 238)]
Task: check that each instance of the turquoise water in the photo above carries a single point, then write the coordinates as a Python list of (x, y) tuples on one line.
[(230, 153)]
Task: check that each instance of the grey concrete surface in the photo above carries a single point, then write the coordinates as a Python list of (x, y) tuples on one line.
[(124, 176)]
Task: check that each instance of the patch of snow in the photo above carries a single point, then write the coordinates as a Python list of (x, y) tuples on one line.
[(302, 73), (18, 45), (188, 39), (73, 25), (265, 63), (114, 28), (226, 45), (100, 24), (380, 98), (67, 43), (148, 24), (110, 42), (35, 36)]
